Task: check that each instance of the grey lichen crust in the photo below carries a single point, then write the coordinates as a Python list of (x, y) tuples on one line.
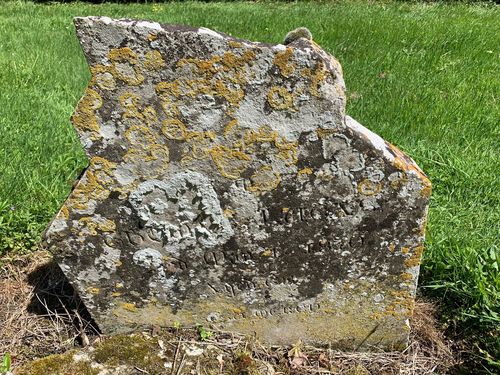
[(226, 186)]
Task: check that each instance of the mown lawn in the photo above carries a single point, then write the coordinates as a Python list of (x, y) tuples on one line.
[(426, 77)]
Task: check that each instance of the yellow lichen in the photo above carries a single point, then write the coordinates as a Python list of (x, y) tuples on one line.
[(402, 304), (405, 276), (414, 259), (130, 102), (95, 184), (279, 98), (287, 151), (153, 60), (85, 118), (367, 187), (129, 306), (267, 253), (264, 179), (305, 171), (142, 136), (234, 44), (229, 213), (91, 225), (64, 213), (229, 162), (317, 77), (282, 61), (124, 66), (124, 54), (234, 97), (323, 133), (174, 129), (229, 127), (102, 77)]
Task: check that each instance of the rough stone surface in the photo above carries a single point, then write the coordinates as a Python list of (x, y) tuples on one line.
[(226, 186)]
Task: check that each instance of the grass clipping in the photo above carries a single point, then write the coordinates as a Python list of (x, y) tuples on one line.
[(42, 318)]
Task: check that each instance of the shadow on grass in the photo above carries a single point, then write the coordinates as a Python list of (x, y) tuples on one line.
[(54, 298)]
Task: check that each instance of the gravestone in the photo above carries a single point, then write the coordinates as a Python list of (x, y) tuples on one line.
[(226, 187)]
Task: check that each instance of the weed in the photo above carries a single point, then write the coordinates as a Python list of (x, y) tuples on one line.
[(204, 333), (6, 362)]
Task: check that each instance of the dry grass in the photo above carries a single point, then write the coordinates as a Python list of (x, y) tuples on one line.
[(39, 312), (41, 315)]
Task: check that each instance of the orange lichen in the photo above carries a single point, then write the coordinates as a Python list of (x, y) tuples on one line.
[(404, 163), (63, 213), (402, 305), (167, 93), (130, 102), (233, 61), (209, 82), (234, 97), (164, 89), (124, 54)]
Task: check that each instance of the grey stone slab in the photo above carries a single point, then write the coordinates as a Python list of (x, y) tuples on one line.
[(227, 187)]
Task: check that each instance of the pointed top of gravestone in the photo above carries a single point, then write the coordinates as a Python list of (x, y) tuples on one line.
[(227, 186)]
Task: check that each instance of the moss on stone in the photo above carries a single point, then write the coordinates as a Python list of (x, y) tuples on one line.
[(58, 364), (131, 350)]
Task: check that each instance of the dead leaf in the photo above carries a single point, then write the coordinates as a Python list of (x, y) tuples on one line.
[(220, 358), (295, 355)]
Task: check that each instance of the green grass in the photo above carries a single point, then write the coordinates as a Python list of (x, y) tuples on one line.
[(426, 77)]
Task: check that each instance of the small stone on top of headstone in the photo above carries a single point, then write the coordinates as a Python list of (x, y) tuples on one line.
[(227, 187), (300, 32)]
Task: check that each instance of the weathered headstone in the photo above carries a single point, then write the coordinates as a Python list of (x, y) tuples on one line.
[(226, 186)]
